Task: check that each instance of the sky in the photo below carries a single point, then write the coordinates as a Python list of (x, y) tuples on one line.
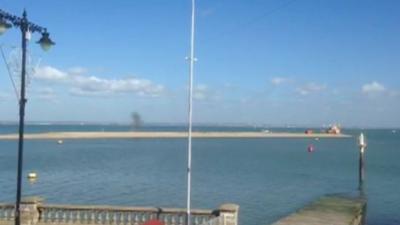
[(259, 62)]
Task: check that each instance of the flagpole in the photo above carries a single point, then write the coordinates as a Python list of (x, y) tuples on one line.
[(191, 70)]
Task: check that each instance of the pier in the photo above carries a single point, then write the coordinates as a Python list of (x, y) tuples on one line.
[(330, 209)]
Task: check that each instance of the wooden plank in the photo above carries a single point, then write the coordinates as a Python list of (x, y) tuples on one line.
[(332, 210)]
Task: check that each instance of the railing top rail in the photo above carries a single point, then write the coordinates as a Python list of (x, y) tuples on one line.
[(6, 205), (124, 209)]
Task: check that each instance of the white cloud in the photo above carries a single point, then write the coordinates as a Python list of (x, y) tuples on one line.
[(373, 87), (279, 80), (81, 84), (48, 73), (310, 88), (203, 93)]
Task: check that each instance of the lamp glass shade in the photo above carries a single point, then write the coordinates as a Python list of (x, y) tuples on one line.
[(46, 46), (45, 42), (3, 26)]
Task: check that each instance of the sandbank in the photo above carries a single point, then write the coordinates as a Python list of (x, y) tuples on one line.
[(166, 134)]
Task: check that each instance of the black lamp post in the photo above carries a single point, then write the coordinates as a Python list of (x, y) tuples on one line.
[(7, 21)]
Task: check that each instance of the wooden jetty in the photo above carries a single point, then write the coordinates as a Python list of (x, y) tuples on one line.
[(329, 210)]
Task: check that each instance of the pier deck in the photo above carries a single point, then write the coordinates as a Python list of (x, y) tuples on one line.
[(329, 210)]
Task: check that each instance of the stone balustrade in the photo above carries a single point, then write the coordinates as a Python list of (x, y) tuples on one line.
[(6, 212), (35, 212)]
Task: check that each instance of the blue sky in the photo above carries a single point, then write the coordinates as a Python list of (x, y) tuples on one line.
[(301, 62)]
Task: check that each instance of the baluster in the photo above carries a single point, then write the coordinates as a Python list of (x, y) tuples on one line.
[(114, 218), (107, 219), (100, 217), (165, 219), (152, 216), (85, 217), (51, 218), (48, 215), (56, 216), (104, 217), (12, 214), (136, 222), (203, 220), (5, 213), (71, 217), (92, 216), (129, 218), (144, 217), (173, 220), (121, 218), (181, 219), (43, 216), (196, 220), (78, 216), (63, 217)]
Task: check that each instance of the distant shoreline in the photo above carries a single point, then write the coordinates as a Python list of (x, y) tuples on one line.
[(166, 134)]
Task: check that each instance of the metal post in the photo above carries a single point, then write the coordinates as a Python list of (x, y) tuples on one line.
[(22, 102), (191, 71), (361, 171)]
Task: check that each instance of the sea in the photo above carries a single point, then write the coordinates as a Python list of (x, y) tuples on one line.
[(268, 178)]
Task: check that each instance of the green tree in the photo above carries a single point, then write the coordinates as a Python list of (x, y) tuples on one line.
[(137, 121)]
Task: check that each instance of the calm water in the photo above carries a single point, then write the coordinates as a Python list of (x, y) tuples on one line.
[(268, 178)]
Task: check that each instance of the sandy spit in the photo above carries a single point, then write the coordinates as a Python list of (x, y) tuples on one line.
[(110, 135)]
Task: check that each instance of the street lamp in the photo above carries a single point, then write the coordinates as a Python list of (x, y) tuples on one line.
[(8, 20)]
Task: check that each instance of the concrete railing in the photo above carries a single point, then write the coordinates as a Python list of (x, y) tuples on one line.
[(33, 212)]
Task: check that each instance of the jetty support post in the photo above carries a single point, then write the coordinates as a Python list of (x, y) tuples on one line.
[(362, 143)]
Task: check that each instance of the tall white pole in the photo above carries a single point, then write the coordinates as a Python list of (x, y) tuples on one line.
[(191, 69)]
